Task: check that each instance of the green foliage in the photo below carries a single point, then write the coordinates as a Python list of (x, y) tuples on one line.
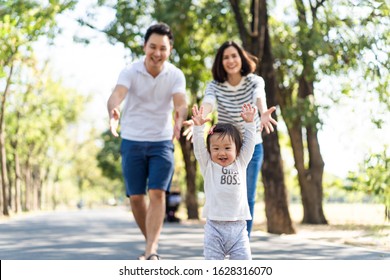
[(128, 28), (373, 177), (108, 157), (88, 175), (34, 107), (40, 108), (23, 22), (347, 40), (303, 111)]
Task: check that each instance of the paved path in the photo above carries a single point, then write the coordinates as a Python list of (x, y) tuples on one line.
[(111, 234)]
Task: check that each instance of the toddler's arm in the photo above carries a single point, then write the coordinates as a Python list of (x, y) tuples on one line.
[(248, 115), (248, 112), (200, 150)]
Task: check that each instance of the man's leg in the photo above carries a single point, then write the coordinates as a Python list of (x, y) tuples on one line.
[(154, 220), (139, 209), (161, 160)]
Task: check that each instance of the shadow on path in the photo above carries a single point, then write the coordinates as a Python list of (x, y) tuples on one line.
[(111, 234)]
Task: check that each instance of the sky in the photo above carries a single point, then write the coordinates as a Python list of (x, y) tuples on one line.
[(90, 69), (345, 139)]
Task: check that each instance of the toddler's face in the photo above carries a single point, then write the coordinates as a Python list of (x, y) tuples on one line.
[(222, 150)]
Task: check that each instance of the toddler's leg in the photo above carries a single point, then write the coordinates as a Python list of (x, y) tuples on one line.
[(240, 249), (213, 246)]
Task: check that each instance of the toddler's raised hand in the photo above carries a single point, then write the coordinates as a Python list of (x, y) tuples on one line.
[(248, 112), (197, 116)]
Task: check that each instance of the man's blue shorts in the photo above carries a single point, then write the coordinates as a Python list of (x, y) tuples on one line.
[(147, 165)]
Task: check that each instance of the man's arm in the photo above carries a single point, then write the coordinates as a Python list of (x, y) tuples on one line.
[(181, 111), (113, 104)]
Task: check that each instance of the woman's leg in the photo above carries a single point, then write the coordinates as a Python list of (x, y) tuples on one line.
[(252, 175)]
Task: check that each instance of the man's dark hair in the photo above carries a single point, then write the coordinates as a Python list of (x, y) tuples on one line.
[(161, 29)]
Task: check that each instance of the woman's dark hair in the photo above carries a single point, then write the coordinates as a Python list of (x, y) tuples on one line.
[(223, 130), (161, 29), (249, 62)]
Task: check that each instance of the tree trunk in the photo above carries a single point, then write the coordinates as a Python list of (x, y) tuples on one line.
[(18, 193), (4, 175), (28, 186), (3, 155), (190, 166), (35, 187), (276, 208), (310, 179), (1, 197), (304, 126), (316, 171), (258, 43)]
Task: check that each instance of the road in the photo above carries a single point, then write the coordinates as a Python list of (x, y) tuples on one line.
[(111, 234)]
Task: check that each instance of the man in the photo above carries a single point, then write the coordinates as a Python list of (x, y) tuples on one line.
[(153, 87)]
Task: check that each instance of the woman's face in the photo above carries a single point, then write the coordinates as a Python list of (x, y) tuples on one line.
[(231, 61)]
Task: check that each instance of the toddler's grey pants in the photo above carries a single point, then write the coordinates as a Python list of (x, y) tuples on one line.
[(226, 240)]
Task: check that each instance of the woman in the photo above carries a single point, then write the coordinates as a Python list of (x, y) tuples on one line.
[(235, 84)]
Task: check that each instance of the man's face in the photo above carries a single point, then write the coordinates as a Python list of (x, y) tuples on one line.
[(157, 50)]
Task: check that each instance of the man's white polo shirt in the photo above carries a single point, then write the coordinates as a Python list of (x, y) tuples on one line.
[(147, 112)]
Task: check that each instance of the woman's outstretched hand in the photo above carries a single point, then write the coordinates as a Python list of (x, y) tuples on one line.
[(266, 120)]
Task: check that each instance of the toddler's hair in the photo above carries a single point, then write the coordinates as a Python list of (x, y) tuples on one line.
[(223, 130)]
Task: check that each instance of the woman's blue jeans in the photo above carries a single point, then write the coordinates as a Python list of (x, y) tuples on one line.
[(252, 174)]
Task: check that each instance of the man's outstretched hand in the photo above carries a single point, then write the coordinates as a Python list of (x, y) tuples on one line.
[(114, 122)]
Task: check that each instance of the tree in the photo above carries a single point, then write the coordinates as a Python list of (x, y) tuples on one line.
[(38, 116), (326, 39), (256, 40), (23, 22), (373, 178)]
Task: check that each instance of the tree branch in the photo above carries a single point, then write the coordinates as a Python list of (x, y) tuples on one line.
[(315, 8), (255, 23), (301, 11), (254, 29), (240, 22)]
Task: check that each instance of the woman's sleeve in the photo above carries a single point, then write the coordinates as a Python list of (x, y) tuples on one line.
[(260, 88), (209, 95)]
